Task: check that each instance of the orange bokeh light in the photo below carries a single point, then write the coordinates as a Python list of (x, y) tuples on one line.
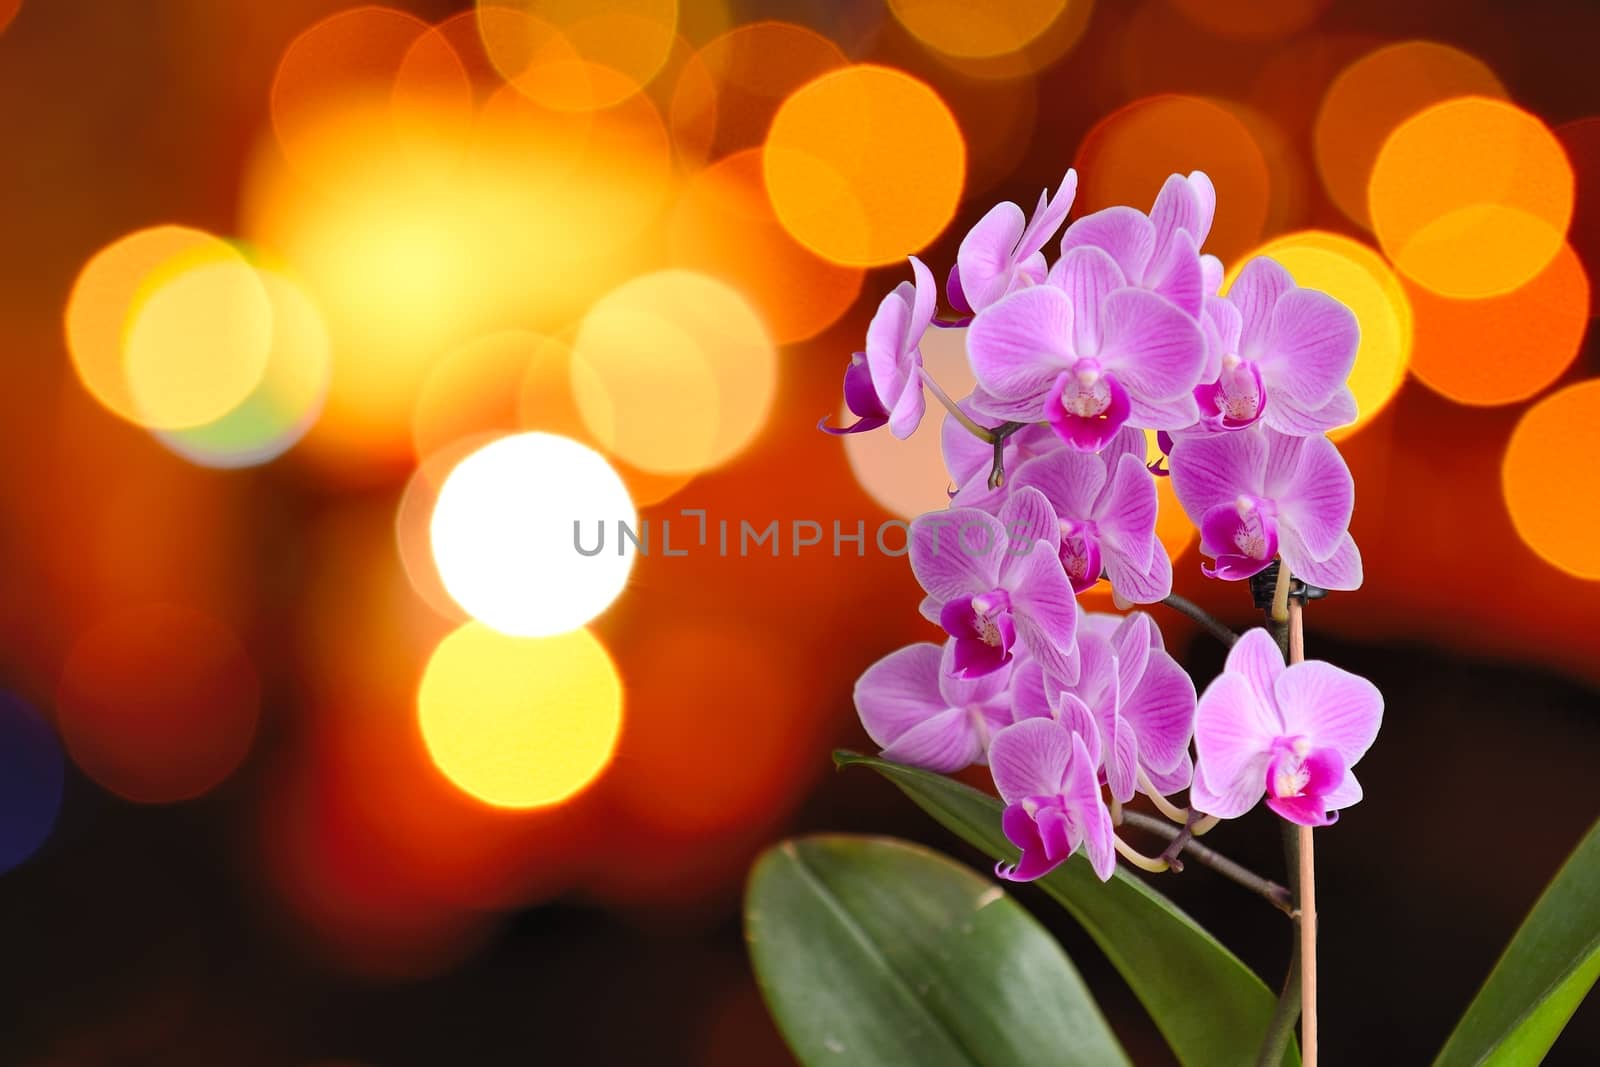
[(728, 91), (577, 55), (724, 226), (1378, 92), (1581, 139), (1471, 197), (1128, 154), (1555, 501), (976, 31), (864, 165), (158, 703), (1252, 20), (1506, 348)]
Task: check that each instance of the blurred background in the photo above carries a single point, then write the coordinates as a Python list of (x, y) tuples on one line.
[(283, 780)]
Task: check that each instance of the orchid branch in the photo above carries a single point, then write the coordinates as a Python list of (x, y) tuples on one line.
[(1212, 624), (1275, 894)]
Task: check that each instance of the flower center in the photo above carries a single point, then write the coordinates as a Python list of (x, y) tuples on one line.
[(1251, 537), (1080, 552), (1238, 390), (1087, 393)]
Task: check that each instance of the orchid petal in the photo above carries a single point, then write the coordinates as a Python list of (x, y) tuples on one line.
[(947, 742), (1207, 471), (1255, 293), (1087, 275), (1029, 519), (1333, 707), (1124, 232), (1257, 659), (949, 557), (1233, 736), (899, 692), (1018, 345), (1029, 759), (1070, 480), (1310, 346), (1313, 489), (1342, 570), (1045, 610), (1154, 349)]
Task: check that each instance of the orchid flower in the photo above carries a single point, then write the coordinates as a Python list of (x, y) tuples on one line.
[(1106, 504), (1258, 493), (1289, 733), (969, 459), (1002, 253), (1285, 354), (1048, 780), (1088, 354), (993, 582), (1160, 251), (884, 383), (921, 713)]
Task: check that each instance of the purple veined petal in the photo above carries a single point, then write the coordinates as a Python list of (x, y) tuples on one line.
[(1345, 794), (886, 335), (1071, 406), (1212, 470), (1055, 831), (900, 692), (1227, 321), (1161, 710), (1257, 660), (1031, 693), (1150, 584), (1302, 810), (861, 398), (1154, 349), (1048, 216), (1241, 537), (1177, 274), (1325, 771), (1313, 489), (1177, 207), (911, 405), (1173, 415), (945, 743), (1206, 195), (955, 294), (1132, 642), (1334, 708), (1022, 832), (1029, 759), (1211, 274), (1342, 570), (924, 302), (1045, 610), (1081, 794), (959, 692), (1070, 711), (1123, 232), (1255, 293), (990, 408), (1122, 760), (1233, 735), (988, 254), (1097, 683), (1029, 519), (1080, 556), (1170, 782), (957, 552), (930, 608), (1310, 346), (1017, 346), (1072, 481), (1287, 417), (1087, 275), (984, 636), (1126, 511), (1128, 442)]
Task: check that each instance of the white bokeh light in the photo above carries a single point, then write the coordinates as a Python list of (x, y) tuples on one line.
[(502, 534)]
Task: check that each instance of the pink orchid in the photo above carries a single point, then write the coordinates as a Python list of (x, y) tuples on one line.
[(1289, 733), (969, 460), (1088, 354), (1106, 503), (1282, 355), (1048, 780), (1259, 493), (1160, 251), (1002, 253), (994, 581), (884, 383), (920, 712)]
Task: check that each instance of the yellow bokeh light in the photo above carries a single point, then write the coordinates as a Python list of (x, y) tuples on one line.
[(976, 30), (287, 400), (864, 165), (673, 371), (1378, 92), (1471, 197), (1357, 277), (908, 478), (507, 527), (578, 55), (197, 340), (1555, 501), (520, 722)]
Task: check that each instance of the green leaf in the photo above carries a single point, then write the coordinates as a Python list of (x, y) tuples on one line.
[(1210, 1007), (1544, 974), (874, 951)]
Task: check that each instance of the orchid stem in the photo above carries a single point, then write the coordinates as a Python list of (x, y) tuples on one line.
[(1212, 624), (997, 473), (1275, 894), (962, 417), (1280, 594), (1308, 887)]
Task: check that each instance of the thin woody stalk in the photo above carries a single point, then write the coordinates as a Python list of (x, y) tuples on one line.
[(1308, 888)]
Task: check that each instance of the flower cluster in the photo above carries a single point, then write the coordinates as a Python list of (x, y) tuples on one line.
[(1084, 366)]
